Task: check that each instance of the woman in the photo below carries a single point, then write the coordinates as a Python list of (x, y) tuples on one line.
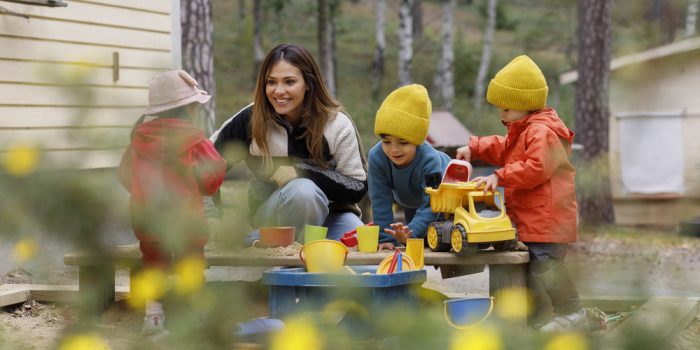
[(304, 151)]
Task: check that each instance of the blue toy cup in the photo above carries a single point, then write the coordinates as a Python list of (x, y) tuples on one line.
[(466, 313)]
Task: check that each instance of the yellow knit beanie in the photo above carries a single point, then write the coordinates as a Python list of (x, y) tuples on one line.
[(520, 85), (405, 113)]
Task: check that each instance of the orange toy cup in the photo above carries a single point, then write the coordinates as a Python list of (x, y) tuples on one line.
[(280, 236)]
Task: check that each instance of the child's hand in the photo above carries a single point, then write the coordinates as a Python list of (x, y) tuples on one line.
[(284, 174), (464, 153), (386, 246), (400, 231), (490, 182)]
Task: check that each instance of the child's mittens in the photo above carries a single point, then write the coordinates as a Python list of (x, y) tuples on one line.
[(284, 174)]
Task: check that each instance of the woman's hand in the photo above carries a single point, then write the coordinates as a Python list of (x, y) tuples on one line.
[(400, 231), (490, 182), (464, 153), (284, 174)]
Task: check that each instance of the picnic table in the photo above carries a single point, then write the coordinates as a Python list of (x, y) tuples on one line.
[(97, 269)]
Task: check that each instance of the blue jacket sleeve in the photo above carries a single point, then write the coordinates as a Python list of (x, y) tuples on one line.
[(424, 214), (380, 193)]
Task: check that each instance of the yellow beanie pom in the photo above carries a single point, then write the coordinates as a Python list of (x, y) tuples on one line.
[(405, 113), (520, 85)]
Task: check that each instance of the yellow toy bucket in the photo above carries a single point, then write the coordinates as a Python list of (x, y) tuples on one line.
[(466, 313), (323, 255)]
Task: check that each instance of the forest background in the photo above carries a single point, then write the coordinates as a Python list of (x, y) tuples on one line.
[(546, 30)]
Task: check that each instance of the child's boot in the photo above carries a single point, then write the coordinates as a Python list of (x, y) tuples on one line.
[(577, 321)]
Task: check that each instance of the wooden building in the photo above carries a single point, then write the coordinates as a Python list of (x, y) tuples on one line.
[(655, 134), (74, 78)]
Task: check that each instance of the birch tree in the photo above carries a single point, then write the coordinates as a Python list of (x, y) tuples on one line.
[(405, 34), (592, 113), (380, 45), (444, 79), (198, 52), (691, 18), (485, 56)]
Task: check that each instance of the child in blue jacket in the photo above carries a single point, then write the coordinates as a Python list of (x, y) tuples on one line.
[(400, 163)]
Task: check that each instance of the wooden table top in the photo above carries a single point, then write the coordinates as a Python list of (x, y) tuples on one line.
[(130, 255)]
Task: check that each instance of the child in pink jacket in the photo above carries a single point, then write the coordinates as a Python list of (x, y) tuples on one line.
[(167, 168)]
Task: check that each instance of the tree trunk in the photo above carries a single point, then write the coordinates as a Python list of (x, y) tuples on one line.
[(405, 34), (378, 61), (198, 52), (258, 52), (485, 57), (325, 44), (592, 114), (691, 18), (444, 79), (241, 10), (417, 14)]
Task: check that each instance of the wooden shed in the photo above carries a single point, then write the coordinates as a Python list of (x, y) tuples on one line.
[(655, 134), (74, 78)]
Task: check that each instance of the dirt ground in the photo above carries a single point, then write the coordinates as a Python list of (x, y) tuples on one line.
[(612, 262)]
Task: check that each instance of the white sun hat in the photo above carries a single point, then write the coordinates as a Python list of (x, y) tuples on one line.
[(173, 89)]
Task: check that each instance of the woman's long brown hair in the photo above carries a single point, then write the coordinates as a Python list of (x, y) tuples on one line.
[(317, 108)]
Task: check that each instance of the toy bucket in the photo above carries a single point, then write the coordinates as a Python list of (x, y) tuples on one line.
[(323, 255), (457, 171), (467, 313)]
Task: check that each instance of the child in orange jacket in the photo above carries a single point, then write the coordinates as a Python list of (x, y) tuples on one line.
[(538, 181), (167, 168)]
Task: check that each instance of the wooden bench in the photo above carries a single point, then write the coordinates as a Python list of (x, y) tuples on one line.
[(97, 273)]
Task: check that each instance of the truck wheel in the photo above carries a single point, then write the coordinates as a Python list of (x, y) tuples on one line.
[(435, 242), (459, 241)]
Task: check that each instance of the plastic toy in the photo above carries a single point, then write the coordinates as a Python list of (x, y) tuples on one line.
[(471, 217)]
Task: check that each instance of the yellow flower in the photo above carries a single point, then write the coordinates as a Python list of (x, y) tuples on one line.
[(567, 341), (189, 273), (149, 284), (84, 342), (513, 304), (477, 338), (298, 334), (21, 159), (25, 249)]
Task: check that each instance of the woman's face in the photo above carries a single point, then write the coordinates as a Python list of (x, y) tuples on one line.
[(398, 150), (285, 89)]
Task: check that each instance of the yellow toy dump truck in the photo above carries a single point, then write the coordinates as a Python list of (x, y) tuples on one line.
[(471, 218)]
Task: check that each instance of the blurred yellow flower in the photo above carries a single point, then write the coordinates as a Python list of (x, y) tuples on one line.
[(298, 334), (21, 159), (567, 341), (83, 342), (25, 249), (513, 304), (149, 284), (478, 338), (189, 275)]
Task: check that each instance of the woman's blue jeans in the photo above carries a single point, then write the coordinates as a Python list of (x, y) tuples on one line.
[(301, 202)]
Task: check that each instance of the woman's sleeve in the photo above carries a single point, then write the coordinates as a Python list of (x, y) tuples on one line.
[(230, 140), (345, 180), (209, 167)]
